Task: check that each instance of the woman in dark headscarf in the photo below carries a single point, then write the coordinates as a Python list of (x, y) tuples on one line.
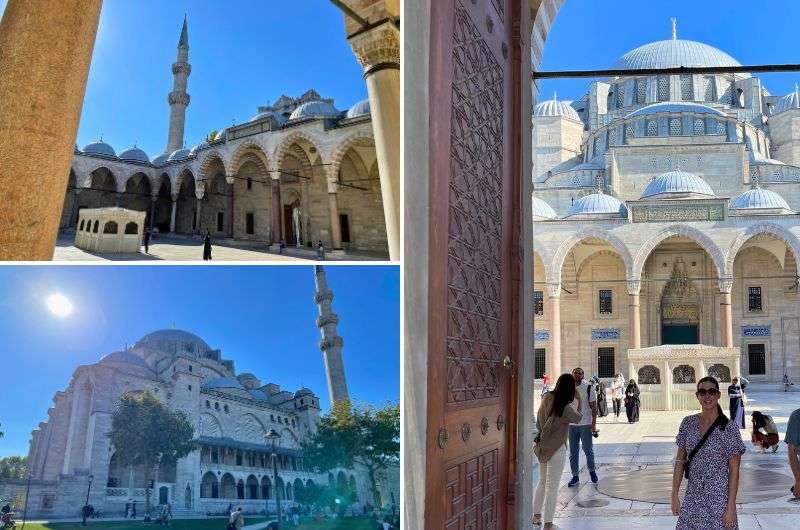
[(632, 401), (207, 247), (602, 403), (736, 395)]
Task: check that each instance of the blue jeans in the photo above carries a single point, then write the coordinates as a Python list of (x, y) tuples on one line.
[(580, 435)]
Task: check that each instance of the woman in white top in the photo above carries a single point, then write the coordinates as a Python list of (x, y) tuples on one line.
[(618, 393)]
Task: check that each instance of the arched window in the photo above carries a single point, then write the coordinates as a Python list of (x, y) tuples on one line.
[(110, 228), (209, 487), (240, 489), (687, 89), (620, 96), (80, 228), (652, 128), (721, 372), (96, 227), (683, 374), (675, 128), (649, 375), (228, 486), (266, 487), (709, 89), (131, 228), (663, 88), (252, 487), (641, 90)]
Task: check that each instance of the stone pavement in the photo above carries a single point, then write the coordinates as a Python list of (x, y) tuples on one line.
[(185, 248), (623, 449)]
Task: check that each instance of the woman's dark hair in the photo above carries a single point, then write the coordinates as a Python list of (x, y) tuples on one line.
[(563, 393), (723, 419), (759, 420)]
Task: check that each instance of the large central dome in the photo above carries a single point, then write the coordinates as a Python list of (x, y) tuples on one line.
[(674, 53), (174, 341)]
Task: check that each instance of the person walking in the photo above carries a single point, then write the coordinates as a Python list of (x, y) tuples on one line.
[(320, 251), (559, 408), (147, 235), (767, 439), (602, 403), (709, 452), (617, 394), (786, 382), (792, 439), (133, 510), (236, 520), (737, 401), (207, 247), (581, 432), (632, 401)]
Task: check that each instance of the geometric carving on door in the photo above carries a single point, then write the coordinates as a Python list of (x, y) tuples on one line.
[(475, 216), (471, 494)]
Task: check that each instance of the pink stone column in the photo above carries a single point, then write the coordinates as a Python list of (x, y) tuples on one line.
[(277, 226), (725, 313), (634, 321), (554, 359)]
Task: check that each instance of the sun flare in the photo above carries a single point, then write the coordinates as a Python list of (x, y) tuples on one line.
[(59, 305)]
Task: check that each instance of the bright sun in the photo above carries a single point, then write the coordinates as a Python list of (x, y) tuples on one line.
[(59, 305)]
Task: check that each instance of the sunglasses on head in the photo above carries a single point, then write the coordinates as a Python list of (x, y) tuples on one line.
[(710, 391)]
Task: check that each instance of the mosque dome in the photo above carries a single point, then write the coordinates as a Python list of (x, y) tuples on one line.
[(672, 106), (789, 101), (677, 184), (759, 199), (303, 392), (674, 53), (161, 159), (100, 148), (597, 204), (170, 340), (196, 148), (542, 210), (180, 154), (280, 118), (359, 109), (134, 154), (553, 107), (126, 357), (315, 109), (221, 383)]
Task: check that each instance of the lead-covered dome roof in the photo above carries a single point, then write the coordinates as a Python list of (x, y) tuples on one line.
[(100, 148), (180, 154), (125, 357), (596, 204), (134, 154), (759, 199), (675, 106), (542, 210), (172, 340), (677, 184), (315, 109), (554, 107), (359, 109), (674, 53)]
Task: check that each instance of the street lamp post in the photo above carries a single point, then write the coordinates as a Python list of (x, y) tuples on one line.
[(273, 436), (86, 504)]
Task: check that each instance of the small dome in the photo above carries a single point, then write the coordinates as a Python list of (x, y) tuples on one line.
[(553, 107), (196, 148), (161, 159), (100, 148), (359, 109), (180, 154), (789, 101), (315, 109), (597, 204), (134, 154), (280, 118), (125, 357), (674, 53), (221, 383), (673, 106), (759, 199), (542, 210), (677, 184), (168, 340), (303, 392)]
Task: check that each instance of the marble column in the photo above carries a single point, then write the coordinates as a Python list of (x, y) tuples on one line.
[(229, 219), (153, 200), (554, 359), (45, 50), (725, 314), (336, 226), (277, 226), (199, 212), (666, 384), (172, 215), (378, 51), (634, 321)]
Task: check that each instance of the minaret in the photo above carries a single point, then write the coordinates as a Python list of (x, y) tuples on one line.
[(331, 343), (179, 98)]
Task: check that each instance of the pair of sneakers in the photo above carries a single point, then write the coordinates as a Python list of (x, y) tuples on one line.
[(575, 480)]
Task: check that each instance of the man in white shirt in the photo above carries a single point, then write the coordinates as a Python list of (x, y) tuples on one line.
[(581, 433)]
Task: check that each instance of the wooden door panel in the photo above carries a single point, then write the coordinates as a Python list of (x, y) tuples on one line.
[(470, 285)]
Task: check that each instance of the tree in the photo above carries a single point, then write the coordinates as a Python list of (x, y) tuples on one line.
[(212, 136), (145, 432), (362, 436), (14, 467)]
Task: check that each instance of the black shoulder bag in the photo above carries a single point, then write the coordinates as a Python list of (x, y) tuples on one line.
[(698, 446)]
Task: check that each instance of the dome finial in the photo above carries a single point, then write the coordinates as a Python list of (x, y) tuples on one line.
[(674, 28)]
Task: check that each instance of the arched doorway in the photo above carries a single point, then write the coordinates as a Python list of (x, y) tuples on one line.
[(102, 191), (304, 194), (186, 206), (163, 206), (137, 195), (680, 308)]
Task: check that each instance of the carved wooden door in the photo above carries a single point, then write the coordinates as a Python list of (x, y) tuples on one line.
[(471, 292)]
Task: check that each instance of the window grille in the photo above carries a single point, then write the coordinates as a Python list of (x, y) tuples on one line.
[(613, 137), (629, 131), (620, 96), (683, 374), (687, 90), (709, 89), (605, 362), (641, 90), (756, 359), (663, 88), (754, 299), (538, 303), (652, 128), (699, 126), (720, 128), (675, 127), (538, 363), (727, 97), (605, 301), (649, 375)]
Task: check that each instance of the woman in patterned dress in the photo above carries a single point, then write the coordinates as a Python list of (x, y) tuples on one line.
[(710, 501)]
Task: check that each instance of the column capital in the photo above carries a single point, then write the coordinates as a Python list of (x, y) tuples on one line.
[(199, 193), (377, 47), (554, 290), (230, 180), (634, 286), (725, 285)]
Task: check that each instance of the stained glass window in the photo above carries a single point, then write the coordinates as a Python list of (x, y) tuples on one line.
[(699, 126), (641, 90), (687, 89), (652, 128), (663, 88), (674, 126)]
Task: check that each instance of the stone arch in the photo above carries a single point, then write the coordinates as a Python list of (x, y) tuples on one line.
[(182, 177), (564, 249), (704, 241), (227, 486), (250, 429), (356, 139), (772, 229), (186, 203), (252, 487), (599, 253), (297, 137), (208, 159), (137, 194), (210, 426), (246, 150)]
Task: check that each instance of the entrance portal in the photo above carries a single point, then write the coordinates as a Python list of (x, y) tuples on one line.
[(686, 334), (680, 308)]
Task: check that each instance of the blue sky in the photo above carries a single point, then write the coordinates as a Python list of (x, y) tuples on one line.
[(263, 318), (244, 53), (590, 34)]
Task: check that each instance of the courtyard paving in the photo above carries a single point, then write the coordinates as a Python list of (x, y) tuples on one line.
[(624, 450), (177, 248)]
